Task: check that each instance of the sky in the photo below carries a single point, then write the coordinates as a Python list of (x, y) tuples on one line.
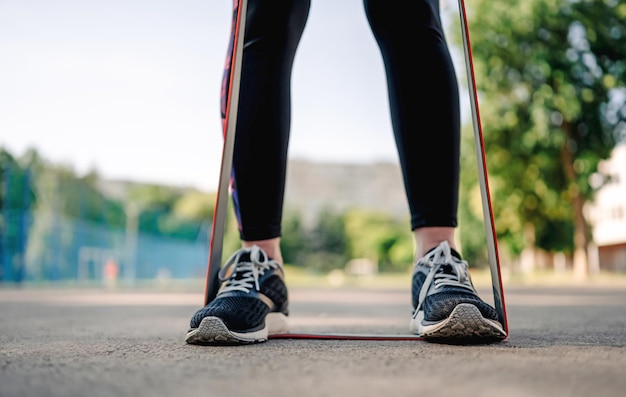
[(131, 88)]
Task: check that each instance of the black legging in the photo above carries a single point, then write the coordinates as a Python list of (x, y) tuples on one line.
[(423, 97)]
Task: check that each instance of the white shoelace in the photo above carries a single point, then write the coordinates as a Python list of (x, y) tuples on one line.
[(247, 272), (436, 259)]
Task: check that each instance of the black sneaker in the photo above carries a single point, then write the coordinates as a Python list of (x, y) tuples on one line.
[(251, 304), (446, 305)]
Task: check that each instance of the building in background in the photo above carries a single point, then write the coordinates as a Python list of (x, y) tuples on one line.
[(607, 214)]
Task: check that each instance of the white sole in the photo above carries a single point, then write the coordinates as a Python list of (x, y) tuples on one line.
[(465, 322), (213, 331)]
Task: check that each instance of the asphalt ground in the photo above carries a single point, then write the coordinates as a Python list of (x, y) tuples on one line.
[(563, 341)]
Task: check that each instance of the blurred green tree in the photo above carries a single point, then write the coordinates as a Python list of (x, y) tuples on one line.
[(16, 201), (326, 247), (294, 239), (551, 76), (169, 211), (379, 237), (71, 213)]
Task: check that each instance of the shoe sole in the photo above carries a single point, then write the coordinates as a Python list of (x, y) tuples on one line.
[(213, 331), (465, 324)]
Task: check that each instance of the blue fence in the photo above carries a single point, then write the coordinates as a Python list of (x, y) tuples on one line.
[(36, 246)]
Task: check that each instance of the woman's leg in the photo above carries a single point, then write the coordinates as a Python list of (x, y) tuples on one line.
[(424, 101), (273, 31)]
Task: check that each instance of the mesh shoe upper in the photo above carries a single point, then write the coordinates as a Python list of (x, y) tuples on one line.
[(441, 281), (253, 286)]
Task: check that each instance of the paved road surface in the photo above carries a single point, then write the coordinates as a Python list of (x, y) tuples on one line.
[(563, 342)]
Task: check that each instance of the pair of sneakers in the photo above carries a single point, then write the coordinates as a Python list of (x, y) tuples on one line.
[(252, 303)]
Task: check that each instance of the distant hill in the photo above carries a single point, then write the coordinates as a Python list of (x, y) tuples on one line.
[(118, 189), (312, 186)]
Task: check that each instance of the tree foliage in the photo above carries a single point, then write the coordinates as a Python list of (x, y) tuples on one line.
[(16, 200), (380, 238), (551, 76), (336, 237)]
